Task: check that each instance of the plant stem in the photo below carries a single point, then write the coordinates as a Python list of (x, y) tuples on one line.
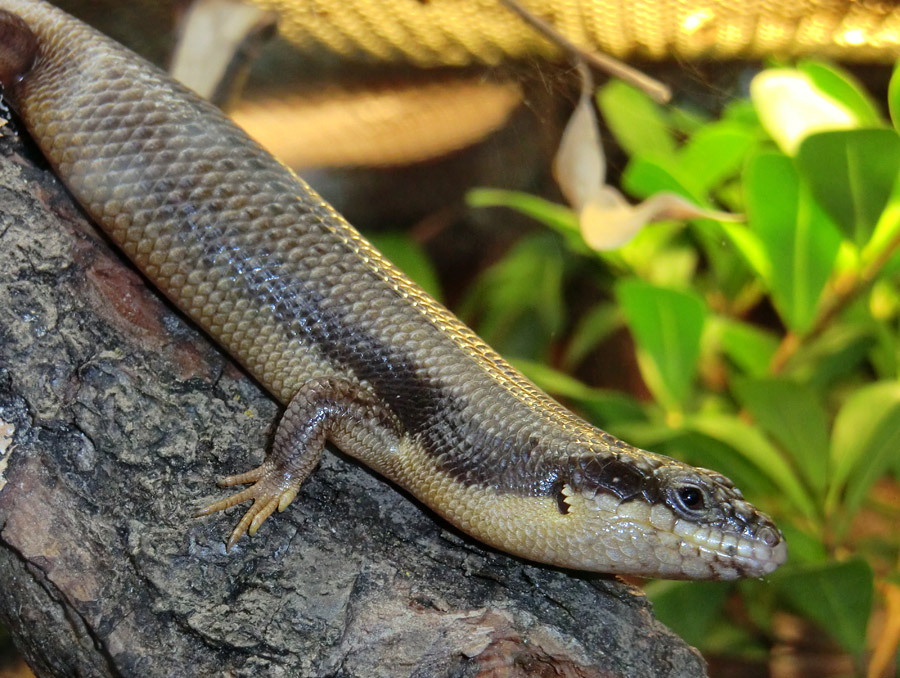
[(603, 62), (888, 640), (845, 295)]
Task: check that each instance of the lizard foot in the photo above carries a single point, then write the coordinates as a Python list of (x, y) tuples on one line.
[(272, 488), (322, 408)]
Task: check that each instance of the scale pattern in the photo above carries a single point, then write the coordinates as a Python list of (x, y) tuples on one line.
[(357, 352)]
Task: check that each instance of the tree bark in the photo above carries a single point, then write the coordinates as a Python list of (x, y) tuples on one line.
[(116, 417)]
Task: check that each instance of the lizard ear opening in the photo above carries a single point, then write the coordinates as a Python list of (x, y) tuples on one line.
[(561, 503)]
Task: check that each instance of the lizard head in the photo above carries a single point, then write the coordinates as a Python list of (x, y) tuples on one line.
[(653, 516)]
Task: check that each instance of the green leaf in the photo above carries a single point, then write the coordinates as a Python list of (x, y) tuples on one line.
[(687, 121), (555, 382), (833, 356), (883, 353), (751, 443), (758, 597), (805, 547), (410, 258), (801, 244), (560, 218), (644, 177), (894, 97), (836, 596), (594, 328), (744, 112), (864, 443), (749, 347), (666, 325), (735, 638), (885, 232), (840, 85), (715, 153), (612, 406), (751, 248), (729, 273), (688, 608), (699, 449), (793, 414), (517, 302), (648, 434), (649, 245), (674, 266), (602, 403), (638, 124), (851, 174)]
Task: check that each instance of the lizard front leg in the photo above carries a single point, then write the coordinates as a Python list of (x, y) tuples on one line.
[(323, 409)]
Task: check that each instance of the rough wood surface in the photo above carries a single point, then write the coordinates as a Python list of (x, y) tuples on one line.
[(116, 416)]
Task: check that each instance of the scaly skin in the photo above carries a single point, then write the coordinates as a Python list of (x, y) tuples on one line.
[(357, 352)]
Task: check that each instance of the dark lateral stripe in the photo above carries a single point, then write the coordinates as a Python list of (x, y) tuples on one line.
[(427, 411), (305, 308)]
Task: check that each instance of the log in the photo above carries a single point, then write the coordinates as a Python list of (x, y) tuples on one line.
[(116, 417)]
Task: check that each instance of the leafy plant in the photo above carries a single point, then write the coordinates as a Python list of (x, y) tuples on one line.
[(770, 349)]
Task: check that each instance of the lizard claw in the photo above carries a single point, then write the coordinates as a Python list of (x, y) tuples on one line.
[(272, 489)]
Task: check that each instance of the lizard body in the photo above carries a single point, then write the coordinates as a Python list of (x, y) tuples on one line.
[(357, 353)]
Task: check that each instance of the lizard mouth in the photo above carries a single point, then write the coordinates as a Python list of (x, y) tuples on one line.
[(732, 555), (654, 541)]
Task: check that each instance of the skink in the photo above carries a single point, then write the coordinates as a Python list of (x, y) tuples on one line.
[(356, 352)]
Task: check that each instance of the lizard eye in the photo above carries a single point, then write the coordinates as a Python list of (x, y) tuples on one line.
[(691, 498)]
